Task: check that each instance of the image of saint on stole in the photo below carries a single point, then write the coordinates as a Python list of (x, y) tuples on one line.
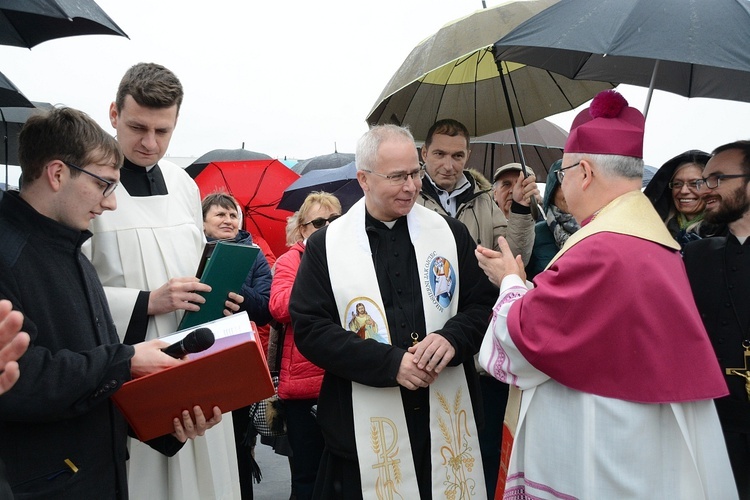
[(365, 324), (442, 280)]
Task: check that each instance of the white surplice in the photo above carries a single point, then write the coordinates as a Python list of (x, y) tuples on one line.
[(570, 444), (140, 246)]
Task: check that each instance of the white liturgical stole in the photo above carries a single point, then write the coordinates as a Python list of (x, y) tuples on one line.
[(382, 439)]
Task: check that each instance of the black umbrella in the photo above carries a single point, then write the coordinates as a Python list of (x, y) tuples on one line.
[(542, 144), (14, 110), (322, 162), (13, 119), (694, 49), (341, 182), (198, 165), (10, 95), (27, 23)]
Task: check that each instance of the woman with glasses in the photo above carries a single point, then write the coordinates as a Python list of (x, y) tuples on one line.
[(674, 193), (300, 380), (221, 222)]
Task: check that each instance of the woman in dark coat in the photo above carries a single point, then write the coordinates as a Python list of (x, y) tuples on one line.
[(551, 233)]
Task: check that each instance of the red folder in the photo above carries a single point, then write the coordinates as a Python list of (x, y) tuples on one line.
[(231, 374)]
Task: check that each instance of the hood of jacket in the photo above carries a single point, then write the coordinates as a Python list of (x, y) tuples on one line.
[(657, 190), (551, 185)]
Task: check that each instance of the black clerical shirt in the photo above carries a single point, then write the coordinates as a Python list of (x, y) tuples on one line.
[(140, 181)]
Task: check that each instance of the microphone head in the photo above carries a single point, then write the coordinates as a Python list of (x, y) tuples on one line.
[(199, 340)]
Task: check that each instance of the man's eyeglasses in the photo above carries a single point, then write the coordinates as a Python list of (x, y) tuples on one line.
[(561, 173), (691, 184), (400, 179), (109, 186), (320, 221), (714, 180)]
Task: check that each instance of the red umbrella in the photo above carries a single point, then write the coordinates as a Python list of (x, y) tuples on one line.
[(258, 186)]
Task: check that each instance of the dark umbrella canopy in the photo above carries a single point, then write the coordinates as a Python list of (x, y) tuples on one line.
[(10, 96), (322, 162), (702, 47), (257, 185), (198, 165), (648, 174), (27, 23), (542, 144), (13, 119), (341, 182)]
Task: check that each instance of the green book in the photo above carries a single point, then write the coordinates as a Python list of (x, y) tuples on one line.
[(224, 267)]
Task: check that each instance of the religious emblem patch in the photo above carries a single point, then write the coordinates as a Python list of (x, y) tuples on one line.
[(439, 276), (365, 318)]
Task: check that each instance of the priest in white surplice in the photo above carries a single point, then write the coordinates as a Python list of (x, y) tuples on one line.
[(146, 254), (617, 372)]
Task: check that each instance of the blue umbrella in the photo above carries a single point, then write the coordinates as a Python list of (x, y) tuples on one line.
[(341, 182)]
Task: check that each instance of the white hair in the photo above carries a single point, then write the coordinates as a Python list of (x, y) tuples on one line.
[(613, 165), (368, 145)]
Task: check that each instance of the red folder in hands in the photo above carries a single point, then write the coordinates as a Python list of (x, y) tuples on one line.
[(231, 374)]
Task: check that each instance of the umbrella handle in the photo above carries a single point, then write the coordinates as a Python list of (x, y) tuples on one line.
[(536, 208)]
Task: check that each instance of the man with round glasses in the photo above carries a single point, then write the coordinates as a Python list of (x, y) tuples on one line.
[(719, 273)]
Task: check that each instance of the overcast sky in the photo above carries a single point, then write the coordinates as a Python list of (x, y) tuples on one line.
[(293, 78)]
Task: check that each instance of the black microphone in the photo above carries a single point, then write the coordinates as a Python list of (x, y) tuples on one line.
[(195, 341)]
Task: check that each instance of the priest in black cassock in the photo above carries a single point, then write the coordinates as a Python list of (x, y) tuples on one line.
[(396, 407)]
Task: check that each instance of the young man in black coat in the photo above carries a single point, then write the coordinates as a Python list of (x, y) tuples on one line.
[(62, 435)]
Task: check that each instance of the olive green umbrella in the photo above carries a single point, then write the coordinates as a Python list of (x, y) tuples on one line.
[(453, 74)]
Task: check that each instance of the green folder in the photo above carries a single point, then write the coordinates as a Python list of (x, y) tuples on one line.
[(226, 267)]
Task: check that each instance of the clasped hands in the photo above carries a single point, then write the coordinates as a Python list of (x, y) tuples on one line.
[(422, 363)]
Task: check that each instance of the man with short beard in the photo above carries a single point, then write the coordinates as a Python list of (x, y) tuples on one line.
[(719, 273)]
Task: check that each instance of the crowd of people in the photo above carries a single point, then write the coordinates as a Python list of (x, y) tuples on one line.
[(442, 338)]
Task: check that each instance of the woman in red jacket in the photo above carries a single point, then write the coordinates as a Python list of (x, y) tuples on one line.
[(300, 380)]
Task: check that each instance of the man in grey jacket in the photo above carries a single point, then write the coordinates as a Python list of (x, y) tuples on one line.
[(467, 196)]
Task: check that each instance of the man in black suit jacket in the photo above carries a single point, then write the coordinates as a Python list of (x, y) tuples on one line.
[(719, 273)]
